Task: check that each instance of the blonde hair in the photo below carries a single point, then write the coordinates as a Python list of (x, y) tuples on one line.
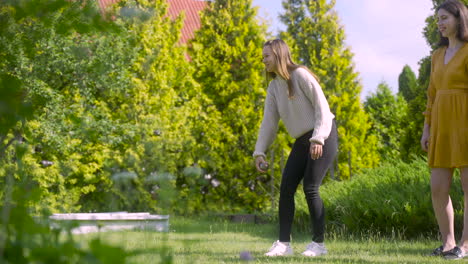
[(284, 63)]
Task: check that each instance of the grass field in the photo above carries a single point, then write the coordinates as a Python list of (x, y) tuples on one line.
[(219, 241)]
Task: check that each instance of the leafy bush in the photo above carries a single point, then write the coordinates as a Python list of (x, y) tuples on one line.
[(393, 198), (30, 183), (107, 98), (27, 239)]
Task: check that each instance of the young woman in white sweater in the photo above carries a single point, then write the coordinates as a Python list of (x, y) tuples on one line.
[(295, 96)]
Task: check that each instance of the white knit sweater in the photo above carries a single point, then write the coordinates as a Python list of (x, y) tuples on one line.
[(307, 110)]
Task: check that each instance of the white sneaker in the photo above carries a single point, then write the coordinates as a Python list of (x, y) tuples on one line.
[(314, 249), (279, 249)]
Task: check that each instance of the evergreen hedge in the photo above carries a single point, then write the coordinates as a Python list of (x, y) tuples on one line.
[(394, 198)]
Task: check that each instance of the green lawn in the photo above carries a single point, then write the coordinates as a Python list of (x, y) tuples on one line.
[(219, 241)]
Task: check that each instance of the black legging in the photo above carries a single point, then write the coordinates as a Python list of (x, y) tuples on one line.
[(300, 166)]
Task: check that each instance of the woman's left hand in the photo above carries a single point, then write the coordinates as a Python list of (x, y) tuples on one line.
[(316, 150)]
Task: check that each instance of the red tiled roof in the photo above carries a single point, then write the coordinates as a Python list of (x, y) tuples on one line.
[(191, 8), (105, 3)]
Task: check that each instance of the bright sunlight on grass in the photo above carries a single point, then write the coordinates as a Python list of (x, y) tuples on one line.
[(219, 241)]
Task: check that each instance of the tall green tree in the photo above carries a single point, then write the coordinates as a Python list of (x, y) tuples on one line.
[(113, 115), (413, 92), (414, 120), (177, 119), (387, 113), (318, 42), (407, 84), (29, 36), (226, 53), (25, 184)]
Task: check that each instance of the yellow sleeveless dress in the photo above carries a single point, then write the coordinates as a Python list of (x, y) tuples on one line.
[(447, 110)]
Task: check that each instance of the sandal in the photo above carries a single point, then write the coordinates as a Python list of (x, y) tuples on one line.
[(437, 252), (453, 254)]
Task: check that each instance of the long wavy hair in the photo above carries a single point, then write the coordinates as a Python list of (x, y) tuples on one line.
[(284, 63), (460, 12)]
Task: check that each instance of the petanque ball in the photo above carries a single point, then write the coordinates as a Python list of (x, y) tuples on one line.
[(245, 255), (264, 166)]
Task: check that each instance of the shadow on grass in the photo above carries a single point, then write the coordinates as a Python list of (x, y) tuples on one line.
[(219, 224), (189, 248), (207, 224)]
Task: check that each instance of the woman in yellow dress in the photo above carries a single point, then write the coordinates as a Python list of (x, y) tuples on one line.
[(445, 134)]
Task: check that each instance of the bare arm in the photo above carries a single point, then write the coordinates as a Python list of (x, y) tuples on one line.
[(425, 137)]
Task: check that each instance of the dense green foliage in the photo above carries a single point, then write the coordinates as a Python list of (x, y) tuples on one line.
[(117, 117), (414, 119), (117, 121), (106, 115), (386, 112), (393, 198), (317, 39), (226, 52), (24, 238)]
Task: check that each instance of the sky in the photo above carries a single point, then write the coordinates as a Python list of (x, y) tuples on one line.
[(384, 35)]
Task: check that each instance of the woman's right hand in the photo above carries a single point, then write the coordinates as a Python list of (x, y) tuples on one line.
[(425, 138), (259, 160)]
